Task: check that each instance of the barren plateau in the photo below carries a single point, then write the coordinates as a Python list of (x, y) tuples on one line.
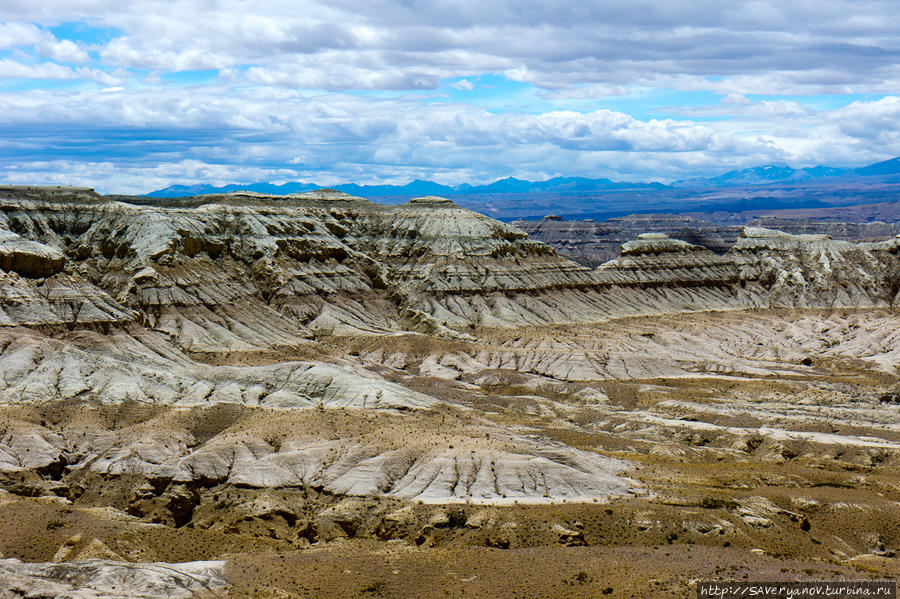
[(316, 395)]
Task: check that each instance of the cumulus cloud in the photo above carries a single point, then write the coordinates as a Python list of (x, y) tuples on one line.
[(225, 135), (63, 51), (869, 122), (364, 90), (51, 70), (549, 44), (45, 44), (20, 34)]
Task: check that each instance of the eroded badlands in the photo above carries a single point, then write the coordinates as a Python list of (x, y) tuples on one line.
[(232, 383)]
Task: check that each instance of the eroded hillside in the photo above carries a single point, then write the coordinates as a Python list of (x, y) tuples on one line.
[(303, 380)]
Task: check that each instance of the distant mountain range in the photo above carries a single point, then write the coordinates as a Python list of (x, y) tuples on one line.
[(420, 188), (887, 171), (762, 175)]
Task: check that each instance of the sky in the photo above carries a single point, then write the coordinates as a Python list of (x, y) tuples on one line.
[(128, 97)]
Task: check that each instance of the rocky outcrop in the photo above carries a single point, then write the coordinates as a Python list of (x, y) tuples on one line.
[(246, 272), (28, 258), (659, 275), (728, 343), (396, 456), (55, 193), (843, 231), (95, 578), (814, 270), (227, 270), (592, 243), (75, 549), (144, 367), (765, 268), (655, 259)]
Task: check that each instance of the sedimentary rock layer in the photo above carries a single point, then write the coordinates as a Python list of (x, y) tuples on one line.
[(245, 273), (227, 300), (92, 579), (815, 270), (224, 272), (144, 367), (349, 452), (592, 243)]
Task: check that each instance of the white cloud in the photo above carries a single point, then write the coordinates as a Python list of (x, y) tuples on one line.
[(63, 51), (735, 98), (590, 91), (48, 70), (285, 102), (245, 135), (51, 70), (306, 74), (871, 122), (20, 34), (766, 46), (25, 35)]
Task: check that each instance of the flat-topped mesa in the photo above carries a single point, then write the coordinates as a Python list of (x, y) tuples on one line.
[(656, 259), (765, 268), (658, 243), (326, 194), (431, 201), (815, 270), (774, 239), (846, 231), (592, 243), (256, 198), (49, 193), (656, 275)]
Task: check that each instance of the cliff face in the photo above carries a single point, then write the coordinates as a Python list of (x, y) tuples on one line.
[(121, 300), (815, 270), (248, 273), (659, 275), (656, 259), (764, 269), (284, 269), (37, 291), (592, 243)]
